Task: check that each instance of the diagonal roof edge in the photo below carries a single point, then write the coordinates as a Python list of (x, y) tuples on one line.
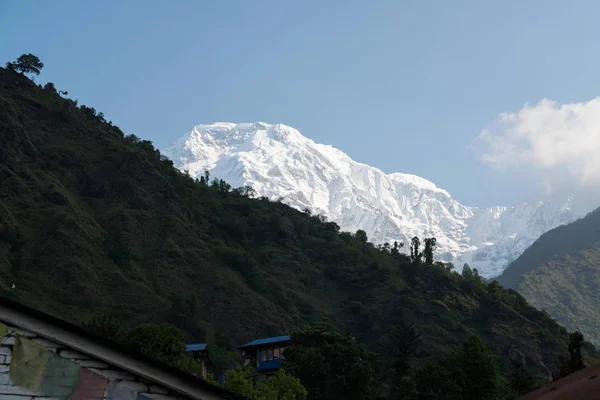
[(79, 339)]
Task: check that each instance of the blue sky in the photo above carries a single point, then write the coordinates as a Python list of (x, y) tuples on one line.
[(405, 86)]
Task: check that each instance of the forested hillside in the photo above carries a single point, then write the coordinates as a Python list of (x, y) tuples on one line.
[(93, 221), (560, 273)]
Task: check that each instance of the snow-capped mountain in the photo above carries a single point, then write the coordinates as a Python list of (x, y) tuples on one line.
[(277, 161)]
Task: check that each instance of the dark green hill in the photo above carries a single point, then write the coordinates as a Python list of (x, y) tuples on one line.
[(560, 273), (92, 220)]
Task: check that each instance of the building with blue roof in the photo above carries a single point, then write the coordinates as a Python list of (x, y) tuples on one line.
[(265, 355), (196, 347), (200, 352)]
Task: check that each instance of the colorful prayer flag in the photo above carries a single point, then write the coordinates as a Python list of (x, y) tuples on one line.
[(90, 386), (3, 330), (28, 363), (60, 377), (38, 369)]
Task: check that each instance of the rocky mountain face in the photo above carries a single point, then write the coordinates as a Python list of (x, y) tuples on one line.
[(279, 162)]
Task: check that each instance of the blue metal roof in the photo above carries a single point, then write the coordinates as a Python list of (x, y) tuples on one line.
[(195, 347), (259, 342)]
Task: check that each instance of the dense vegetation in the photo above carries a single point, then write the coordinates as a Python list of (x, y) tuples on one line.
[(94, 222), (560, 273)]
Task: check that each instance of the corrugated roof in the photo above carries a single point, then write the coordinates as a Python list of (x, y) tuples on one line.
[(258, 342), (195, 347), (580, 385)]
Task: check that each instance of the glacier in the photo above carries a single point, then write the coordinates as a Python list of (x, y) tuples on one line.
[(280, 163)]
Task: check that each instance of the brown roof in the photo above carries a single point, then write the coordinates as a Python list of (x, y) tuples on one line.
[(581, 385)]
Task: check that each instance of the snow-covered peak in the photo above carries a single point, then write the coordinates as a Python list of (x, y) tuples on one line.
[(278, 161), (417, 181)]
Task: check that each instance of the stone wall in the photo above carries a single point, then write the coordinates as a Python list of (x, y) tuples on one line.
[(8, 391)]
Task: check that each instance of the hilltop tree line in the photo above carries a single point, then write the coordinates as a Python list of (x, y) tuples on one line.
[(411, 369), (333, 366)]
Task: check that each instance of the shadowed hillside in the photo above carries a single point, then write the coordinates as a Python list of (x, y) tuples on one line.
[(95, 221), (560, 273)]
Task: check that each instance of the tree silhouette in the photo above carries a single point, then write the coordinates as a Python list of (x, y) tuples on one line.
[(405, 344), (415, 255), (430, 245), (576, 361), (396, 248), (26, 64), (361, 236)]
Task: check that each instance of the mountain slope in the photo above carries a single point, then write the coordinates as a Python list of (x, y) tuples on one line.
[(92, 220), (277, 161), (560, 273)]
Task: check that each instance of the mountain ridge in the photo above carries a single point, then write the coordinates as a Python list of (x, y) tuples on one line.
[(93, 221), (560, 273), (279, 162)]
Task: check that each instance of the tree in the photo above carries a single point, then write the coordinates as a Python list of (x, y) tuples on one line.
[(104, 325), (247, 191), (224, 358), (521, 381), (242, 380), (467, 272), (26, 64), (415, 255), (361, 236), (281, 387), (163, 342), (470, 372), (49, 86), (186, 313), (334, 366), (405, 344), (576, 361), (437, 379), (396, 248), (495, 290), (430, 245)]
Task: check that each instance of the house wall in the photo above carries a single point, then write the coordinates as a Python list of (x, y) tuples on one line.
[(8, 391)]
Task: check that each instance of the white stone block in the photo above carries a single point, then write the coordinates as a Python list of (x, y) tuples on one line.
[(4, 379), (73, 355), (154, 396), (117, 374), (92, 364), (10, 340), (5, 351), (16, 390), (4, 368), (46, 343), (14, 397), (134, 386), (158, 389)]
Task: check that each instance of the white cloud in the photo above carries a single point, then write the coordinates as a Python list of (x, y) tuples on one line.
[(560, 142)]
